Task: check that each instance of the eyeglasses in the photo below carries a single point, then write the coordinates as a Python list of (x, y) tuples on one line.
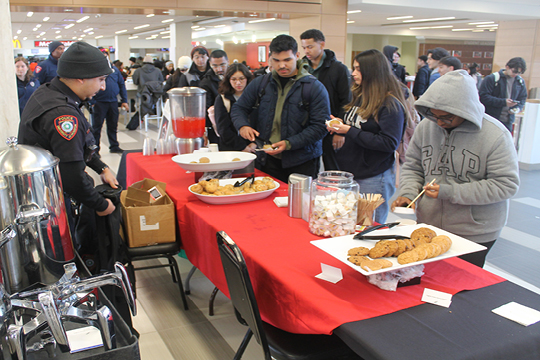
[(447, 119), (218, 66), (240, 79), (517, 72)]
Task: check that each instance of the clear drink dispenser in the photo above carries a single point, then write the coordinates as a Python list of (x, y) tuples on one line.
[(188, 114)]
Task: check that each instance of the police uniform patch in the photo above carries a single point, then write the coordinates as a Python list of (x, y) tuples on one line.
[(67, 126)]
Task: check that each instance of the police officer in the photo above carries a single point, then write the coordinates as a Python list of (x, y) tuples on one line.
[(53, 120), (46, 70)]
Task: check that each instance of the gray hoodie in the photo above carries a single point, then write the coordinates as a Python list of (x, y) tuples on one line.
[(475, 164)]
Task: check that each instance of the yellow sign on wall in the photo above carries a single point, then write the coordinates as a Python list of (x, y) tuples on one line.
[(16, 44)]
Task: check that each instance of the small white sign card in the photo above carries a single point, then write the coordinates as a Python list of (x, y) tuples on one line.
[(330, 273), (437, 297)]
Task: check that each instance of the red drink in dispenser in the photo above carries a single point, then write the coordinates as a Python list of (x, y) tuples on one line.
[(188, 115), (188, 127)]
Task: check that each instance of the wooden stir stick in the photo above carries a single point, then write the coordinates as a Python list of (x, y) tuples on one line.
[(421, 193)]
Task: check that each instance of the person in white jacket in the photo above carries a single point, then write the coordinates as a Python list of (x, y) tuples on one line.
[(472, 159)]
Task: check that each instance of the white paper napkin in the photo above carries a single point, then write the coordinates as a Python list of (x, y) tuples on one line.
[(281, 201), (519, 313), (84, 338)]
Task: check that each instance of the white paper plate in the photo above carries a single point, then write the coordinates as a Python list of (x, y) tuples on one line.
[(339, 246), (404, 210), (219, 161), (233, 199)]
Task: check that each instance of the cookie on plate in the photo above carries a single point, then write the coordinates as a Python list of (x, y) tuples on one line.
[(358, 251)]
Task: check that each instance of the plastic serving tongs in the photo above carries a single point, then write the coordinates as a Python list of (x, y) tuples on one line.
[(361, 235), (240, 183)]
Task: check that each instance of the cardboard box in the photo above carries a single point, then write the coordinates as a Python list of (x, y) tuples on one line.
[(148, 222), (138, 195)]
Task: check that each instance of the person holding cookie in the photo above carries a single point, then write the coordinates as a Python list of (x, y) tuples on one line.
[(372, 127), (472, 158)]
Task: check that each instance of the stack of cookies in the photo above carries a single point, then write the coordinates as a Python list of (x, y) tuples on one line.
[(423, 244)]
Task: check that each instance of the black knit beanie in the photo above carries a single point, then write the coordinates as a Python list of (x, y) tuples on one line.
[(53, 45), (83, 61)]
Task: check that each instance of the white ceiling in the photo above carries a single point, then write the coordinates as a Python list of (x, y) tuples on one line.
[(371, 20)]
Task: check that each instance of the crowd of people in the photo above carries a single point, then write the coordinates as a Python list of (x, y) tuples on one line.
[(461, 152)]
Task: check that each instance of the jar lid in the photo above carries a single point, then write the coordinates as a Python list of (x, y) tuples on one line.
[(187, 91), (22, 159)]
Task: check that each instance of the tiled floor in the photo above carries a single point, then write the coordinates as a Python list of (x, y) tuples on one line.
[(169, 332)]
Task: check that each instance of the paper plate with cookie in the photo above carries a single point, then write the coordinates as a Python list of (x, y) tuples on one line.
[(224, 191), (396, 248), (214, 161)]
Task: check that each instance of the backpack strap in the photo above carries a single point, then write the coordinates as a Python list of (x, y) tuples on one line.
[(306, 94), (262, 89), (497, 77), (227, 103)]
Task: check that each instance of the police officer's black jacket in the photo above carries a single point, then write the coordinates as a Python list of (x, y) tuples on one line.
[(52, 120)]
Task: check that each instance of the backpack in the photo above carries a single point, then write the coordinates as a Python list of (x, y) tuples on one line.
[(133, 123), (227, 104), (306, 92), (412, 118)]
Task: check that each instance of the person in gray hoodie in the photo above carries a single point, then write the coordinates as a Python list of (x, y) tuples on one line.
[(472, 159)]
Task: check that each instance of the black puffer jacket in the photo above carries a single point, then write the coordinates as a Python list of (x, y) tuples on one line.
[(193, 76), (336, 79), (399, 70)]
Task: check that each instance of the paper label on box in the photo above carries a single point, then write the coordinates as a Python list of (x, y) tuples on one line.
[(145, 227)]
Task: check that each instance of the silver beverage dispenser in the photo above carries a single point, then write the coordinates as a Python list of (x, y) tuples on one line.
[(35, 239)]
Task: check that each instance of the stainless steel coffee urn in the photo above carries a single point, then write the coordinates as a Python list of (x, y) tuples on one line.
[(35, 239)]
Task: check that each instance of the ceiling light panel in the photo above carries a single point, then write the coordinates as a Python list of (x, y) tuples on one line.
[(430, 19), (399, 17)]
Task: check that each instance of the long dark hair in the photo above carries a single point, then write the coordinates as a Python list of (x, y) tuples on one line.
[(29, 74), (225, 86), (378, 84)]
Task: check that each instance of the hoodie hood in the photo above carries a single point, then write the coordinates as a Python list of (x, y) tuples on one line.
[(303, 68), (148, 68), (456, 93), (389, 51)]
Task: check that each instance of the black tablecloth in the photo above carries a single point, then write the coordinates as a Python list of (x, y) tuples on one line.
[(467, 330)]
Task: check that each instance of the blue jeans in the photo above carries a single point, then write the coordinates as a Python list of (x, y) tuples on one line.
[(384, 184)]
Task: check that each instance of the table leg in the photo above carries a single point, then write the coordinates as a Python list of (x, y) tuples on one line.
[(188, 278)]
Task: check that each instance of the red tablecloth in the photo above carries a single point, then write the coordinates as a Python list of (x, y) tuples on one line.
[(282, 262)]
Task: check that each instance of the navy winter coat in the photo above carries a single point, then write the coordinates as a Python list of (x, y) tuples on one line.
[(304, 130), (46, 70), (25, 89), (493, 95), (114, 85)]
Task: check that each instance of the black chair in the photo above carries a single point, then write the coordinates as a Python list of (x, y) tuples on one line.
[(166, 251), (275, 343)]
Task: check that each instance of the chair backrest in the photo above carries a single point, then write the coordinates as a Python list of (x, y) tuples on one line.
[(240, 288)]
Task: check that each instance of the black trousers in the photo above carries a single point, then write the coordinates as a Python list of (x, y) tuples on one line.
[(106, 111), (479, 258), (273, 167), (329, 154)]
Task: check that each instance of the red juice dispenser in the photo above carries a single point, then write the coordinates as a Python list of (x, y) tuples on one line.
[(188, 115)]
